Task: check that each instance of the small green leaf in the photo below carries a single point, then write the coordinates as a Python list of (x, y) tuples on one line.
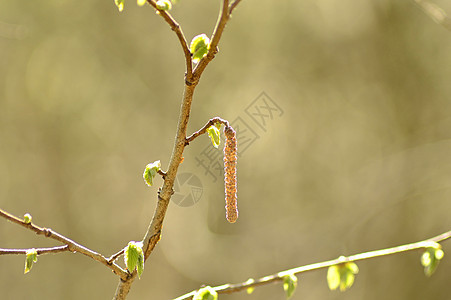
[(290, 283), (119, 4), (27, 218), (431, 258), (347, 274), (215, 135), (199, 47), (134, 257), (342, 275), (31, 257), (250, 290), (150, 171), (206, 293), (164, 5), (140, 265), (333, 277), (141, 2)]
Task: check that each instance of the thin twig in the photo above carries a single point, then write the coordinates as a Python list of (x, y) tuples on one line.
[(201, 131), (223, 17), (230, 288), (435, 13), (115, 256), (233, 5), (72, 246), (179, 32), (40, 251)]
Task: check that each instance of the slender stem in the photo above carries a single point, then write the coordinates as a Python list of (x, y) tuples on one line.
[(233, 5), (154, 230), (223, 17), (40, 251), (230, 288), (72, 246), (115, 256), (178, 31), (201, 131)]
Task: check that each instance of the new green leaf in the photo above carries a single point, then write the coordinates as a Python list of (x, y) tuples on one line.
[(290, 283), (164, 5), (151, 171), (31, 257), (215, 135), (431, 258), (119, 4), (206, 293), (342, 276), (134, 257), (333, 277), (199, 47), (27, 218)]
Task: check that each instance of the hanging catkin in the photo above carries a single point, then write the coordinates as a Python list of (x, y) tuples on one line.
[(230, 156)]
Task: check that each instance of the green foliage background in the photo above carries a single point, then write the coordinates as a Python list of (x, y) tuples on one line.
[(360, 159)]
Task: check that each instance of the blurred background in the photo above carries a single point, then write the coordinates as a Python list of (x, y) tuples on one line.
[(343, 111)]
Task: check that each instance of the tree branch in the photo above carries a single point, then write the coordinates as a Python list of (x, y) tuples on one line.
[(72, 246), (233, 5), (223, 17), (178, 31), (40, 251), (201, 131), (153, 233), (435, 13), (230, 288)]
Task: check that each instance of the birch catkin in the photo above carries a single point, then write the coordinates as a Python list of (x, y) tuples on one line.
[(230, 157)]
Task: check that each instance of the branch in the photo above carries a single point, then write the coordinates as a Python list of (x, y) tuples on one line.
[(178, 31), (230, 288), (203, 130), (40, 251), (72, 246), (153, 233), (115, 256), (435, 13), (223, 17), (233, 5)]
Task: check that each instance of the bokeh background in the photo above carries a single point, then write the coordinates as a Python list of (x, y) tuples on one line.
[(357, 159)]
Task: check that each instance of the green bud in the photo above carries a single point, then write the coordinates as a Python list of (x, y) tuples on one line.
[(215, 135), (151, 171), (342, 275), (250, 290), (27, 218), (431, 258), (119, 4), (290, 283), (206, 293), (31, 257), (199, 47), (134, 257), (164, 5)]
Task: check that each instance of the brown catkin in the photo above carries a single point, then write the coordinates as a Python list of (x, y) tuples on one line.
[(230, 157)]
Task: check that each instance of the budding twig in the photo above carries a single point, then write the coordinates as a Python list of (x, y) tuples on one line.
[(40, 251), (230, 288), (203, 130), (178, 31), (71, 245)]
